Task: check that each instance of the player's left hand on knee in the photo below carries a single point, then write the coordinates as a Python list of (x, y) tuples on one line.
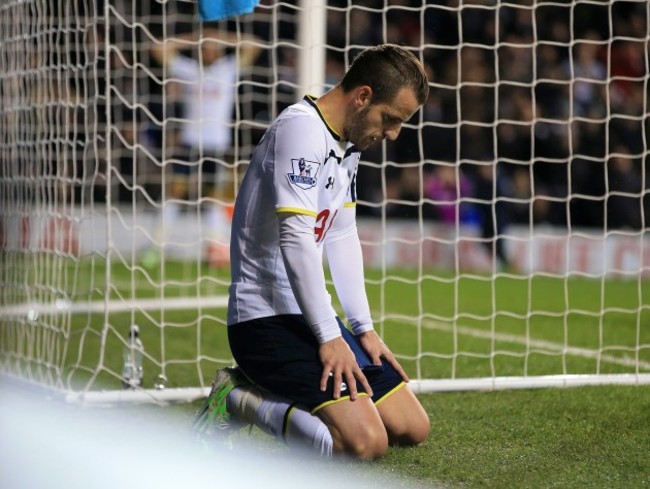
[(377, 349)]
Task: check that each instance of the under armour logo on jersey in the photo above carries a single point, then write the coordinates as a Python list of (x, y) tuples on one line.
[(330, 182), (351, 150), (332, 155)]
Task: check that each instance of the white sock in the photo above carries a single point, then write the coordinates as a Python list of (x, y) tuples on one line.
[(168, 217), (277, 417), (303, 428), (215, 221)]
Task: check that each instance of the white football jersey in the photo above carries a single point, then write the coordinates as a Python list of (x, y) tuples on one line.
[(208, 98), (300, 166)]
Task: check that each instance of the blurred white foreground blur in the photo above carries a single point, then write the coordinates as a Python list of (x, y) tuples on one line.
[(49, 445)]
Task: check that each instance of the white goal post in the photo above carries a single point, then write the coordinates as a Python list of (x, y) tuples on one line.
[(505, 232)]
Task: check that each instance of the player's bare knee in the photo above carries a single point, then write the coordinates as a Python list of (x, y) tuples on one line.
[(416, 432), (367, 450), (419, 433), (367, 444)]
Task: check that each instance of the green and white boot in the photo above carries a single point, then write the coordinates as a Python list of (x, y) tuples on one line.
[(214, 420)]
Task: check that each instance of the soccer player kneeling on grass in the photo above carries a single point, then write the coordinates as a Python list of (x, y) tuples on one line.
[(301, 375)]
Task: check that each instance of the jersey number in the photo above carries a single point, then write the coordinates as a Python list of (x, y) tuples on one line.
[(323, 224)]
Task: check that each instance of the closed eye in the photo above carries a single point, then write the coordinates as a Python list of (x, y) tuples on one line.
[(392, 120)]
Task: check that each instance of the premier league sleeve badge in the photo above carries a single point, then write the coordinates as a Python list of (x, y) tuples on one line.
[(305, 173)]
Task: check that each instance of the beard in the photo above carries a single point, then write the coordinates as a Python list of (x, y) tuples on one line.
[(356, 131)]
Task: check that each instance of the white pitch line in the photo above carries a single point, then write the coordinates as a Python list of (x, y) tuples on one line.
[(63, 306), (536, 344), (178, 303)]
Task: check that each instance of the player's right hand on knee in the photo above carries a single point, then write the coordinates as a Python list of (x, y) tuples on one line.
[(340, 364)]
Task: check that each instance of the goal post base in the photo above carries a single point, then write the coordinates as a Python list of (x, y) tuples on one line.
[(104, 397), (139, 396), (423, 386), (536, 382)]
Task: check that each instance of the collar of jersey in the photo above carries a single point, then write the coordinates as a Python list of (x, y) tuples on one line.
[(311, 100)]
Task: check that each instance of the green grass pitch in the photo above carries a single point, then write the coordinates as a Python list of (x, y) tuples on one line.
[(440, 326)]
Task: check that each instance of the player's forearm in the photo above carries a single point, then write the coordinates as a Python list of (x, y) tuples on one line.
[(303, 263), (345, 259), (248, 46), (167, 50)]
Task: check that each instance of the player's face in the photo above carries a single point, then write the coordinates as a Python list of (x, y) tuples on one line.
[(210, 52), (375, 122)]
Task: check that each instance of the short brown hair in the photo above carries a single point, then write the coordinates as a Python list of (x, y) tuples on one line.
[(386, 69)]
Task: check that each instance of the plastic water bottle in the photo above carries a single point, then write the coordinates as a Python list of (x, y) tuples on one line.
[(132, 371)]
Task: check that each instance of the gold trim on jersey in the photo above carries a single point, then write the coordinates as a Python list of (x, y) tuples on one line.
[(350, 204), (295, 210), (312, 101)]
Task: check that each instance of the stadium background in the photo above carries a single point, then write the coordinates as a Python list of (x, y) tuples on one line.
[(546, 102)]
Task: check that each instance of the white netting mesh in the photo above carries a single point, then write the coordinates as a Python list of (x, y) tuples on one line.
[(504, 231)]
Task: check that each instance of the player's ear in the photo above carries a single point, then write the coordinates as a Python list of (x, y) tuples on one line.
[(363, 96)]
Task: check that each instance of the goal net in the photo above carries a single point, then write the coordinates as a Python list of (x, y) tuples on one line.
[(504, 232)]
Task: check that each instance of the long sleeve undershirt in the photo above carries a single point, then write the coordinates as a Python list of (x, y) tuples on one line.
[(303, 262), (345, 259)]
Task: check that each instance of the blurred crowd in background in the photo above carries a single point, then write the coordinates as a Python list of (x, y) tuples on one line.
[(536, 115)]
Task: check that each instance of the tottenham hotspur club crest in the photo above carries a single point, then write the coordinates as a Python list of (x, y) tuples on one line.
[(305, 173)]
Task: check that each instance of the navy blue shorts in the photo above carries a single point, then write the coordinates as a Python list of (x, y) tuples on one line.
[(280, 354)]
